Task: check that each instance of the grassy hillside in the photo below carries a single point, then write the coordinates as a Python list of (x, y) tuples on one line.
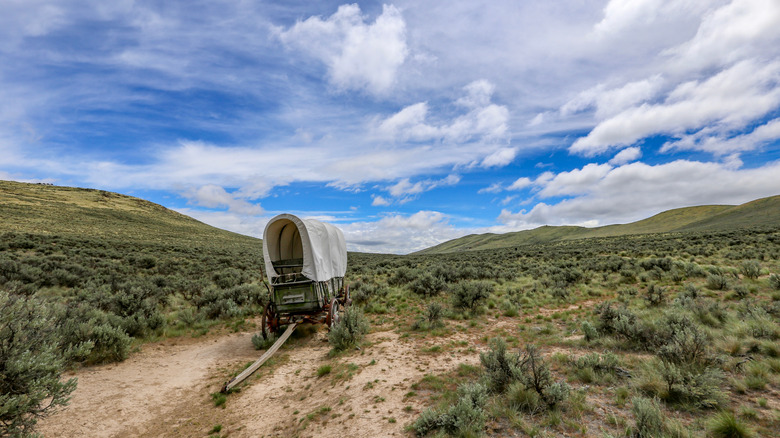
[(112, 268), (665, 334), (758, 213), (69, 211), (662, 334)]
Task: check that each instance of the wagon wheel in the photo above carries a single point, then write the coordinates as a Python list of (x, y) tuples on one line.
[(269, 323), (335, 312)]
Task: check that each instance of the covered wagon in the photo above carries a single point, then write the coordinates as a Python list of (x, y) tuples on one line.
[(305, 261)]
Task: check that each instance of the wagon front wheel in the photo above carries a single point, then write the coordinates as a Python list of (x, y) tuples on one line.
[(269, 323), (335, 313)]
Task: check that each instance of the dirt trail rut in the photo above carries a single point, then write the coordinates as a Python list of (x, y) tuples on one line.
[(165, 390), (120, 399)]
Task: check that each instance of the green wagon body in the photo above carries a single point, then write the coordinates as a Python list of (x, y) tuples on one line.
[(292, 293)]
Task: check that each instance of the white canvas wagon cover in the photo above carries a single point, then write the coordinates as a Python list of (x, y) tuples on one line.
[(321, 246)]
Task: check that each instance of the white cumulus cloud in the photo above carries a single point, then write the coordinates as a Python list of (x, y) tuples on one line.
[(736, 31), (484, 122), (379, 201), (359, 55), (637, 190), (400, 234), (731, 98), (213, 196), (406, 190), (718, 144), (608, 102), (625, 156), (520, 183)]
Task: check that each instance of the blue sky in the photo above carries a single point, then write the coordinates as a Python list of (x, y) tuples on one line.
[(404, 123)]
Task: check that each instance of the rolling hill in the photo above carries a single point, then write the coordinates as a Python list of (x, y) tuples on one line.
[(759, 213), (47, 210)]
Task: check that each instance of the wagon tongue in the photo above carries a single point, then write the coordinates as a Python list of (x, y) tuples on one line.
[(267, 355)]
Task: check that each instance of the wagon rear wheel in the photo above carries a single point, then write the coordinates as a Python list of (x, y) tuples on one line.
[(269, 323), (335, 312)]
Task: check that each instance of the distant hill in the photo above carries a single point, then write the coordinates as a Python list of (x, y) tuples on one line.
[(761, 212), (69, 211)]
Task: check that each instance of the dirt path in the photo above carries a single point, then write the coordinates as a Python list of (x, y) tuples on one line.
[(124, 399), (293, 401), (165, 390)]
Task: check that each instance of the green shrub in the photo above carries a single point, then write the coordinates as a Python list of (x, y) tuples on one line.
[(664, 264), (717, 282), (774, 281), (560, 293), (750, 269), (726, 425), (403, 275), (323, 370), (523, 399), (623, 323), (349, 330), (567, 276), (91, 335), (683, 342), (649, 420), (687, 366), (709, 312), (628, 275), (470, 294), (227, 278), (464, 418), (692, 270), (111, 344), (686, 384), (655, 295), (589, 331), (432, 318), (677, 274), (627, 293), (603, 364), (427, 285), (690, 291), (362, 293), (219, 399), (189, 316), (467, 415), (263, 343), (741, 291), (427, 422), (535, 374), (31, 361), (501, 367), (219, 303), (146, 262)]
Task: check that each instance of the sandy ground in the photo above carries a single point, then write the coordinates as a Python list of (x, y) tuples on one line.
[(128, 398), (164, 390)]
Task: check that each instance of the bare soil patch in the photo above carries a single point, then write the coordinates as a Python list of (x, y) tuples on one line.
[(164, 390)]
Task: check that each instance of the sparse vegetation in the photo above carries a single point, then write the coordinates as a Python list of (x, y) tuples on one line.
[(348, 331), (675, 325), (324, 370), (470, 294), (726, 425), (31, 360), (219, 399)]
